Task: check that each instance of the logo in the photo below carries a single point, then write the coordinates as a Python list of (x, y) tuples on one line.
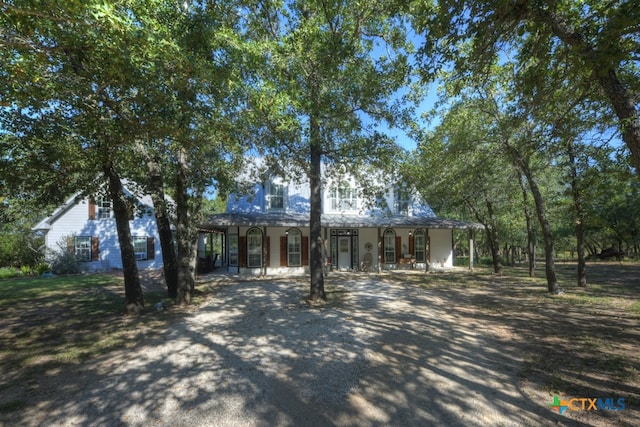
[(587, 404)]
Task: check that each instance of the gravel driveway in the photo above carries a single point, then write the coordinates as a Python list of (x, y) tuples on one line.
[(384, 353)]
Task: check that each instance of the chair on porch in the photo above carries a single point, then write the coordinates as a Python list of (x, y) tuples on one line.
[(367, 262)]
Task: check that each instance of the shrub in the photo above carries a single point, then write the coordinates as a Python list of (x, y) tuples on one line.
[(9, 272), (65, 263), (41, 268), (20, 248)]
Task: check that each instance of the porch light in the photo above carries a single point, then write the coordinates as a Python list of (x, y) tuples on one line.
[(410, 233)]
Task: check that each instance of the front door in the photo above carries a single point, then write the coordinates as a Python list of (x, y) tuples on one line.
[(344, 252)]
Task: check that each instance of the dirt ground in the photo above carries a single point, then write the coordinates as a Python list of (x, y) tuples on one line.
[(451, 348)]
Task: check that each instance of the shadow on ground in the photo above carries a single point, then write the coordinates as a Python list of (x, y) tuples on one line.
[(388, 351)]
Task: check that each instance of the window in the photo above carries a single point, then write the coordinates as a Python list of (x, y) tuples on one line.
[(344, 198), (254, 248), (140, 247), (419, 243), (401, 200), (389, 246), (104, 208), (276, 196), (82, 248), (233, 249), (294, 247)]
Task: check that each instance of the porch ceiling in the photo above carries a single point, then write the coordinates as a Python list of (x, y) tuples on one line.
[(333, 221)]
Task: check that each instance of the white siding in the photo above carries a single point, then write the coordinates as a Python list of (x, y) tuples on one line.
[(74, 221), (441, 249)]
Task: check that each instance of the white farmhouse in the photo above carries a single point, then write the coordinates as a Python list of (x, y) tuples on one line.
[(86, 226), (267, 230)]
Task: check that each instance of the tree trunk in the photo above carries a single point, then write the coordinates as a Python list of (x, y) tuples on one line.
[(134, 299), (547, 234), (315, 180), (184, 235), (156, 191), (505, 251), (579, 211), (531, 234), (494, 243), (623, 104)]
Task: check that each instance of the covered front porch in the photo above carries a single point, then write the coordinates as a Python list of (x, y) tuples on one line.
[(278, 244)]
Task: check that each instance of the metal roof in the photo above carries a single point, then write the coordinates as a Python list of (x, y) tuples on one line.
[(283, 219)]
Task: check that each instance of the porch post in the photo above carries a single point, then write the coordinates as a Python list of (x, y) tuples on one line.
[(471, 250), (265, 252), (379, 253), (427, 251)]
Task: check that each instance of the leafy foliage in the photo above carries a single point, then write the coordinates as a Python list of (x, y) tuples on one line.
[(323, 90), (590, 44), (65, 262)]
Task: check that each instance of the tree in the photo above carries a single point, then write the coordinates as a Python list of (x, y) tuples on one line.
[(18, 245), (123, 85), (558, 81), (522, 160), (194, 121), (163, 214), (72, 69), (576, 192), (531, 232), (327, 83), (610, 205), (460, 169), (596, 41)]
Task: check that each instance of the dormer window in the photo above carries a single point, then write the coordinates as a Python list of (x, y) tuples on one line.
[(344, 199), (275, 199), (104, 208), (401, 200)]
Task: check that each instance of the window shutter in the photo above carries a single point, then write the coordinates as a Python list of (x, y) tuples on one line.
[(305, 250), (283, 251), (398, 248), (242, 251), (92, 209), (267, 251), (95, 249), (412, 247), (151, 248)]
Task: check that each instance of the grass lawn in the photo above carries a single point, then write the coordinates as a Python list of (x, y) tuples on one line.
[(50, 323)]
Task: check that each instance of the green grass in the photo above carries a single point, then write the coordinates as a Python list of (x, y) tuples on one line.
[(67, 319), (82, 295), (635, 308)]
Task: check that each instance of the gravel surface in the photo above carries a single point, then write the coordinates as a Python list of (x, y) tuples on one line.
[(382, 353)]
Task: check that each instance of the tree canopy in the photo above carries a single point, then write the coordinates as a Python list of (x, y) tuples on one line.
[(98, 88), (332, 71), (173, 95), (591, 43)]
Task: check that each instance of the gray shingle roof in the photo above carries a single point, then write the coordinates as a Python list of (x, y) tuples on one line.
[(333, 221)]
